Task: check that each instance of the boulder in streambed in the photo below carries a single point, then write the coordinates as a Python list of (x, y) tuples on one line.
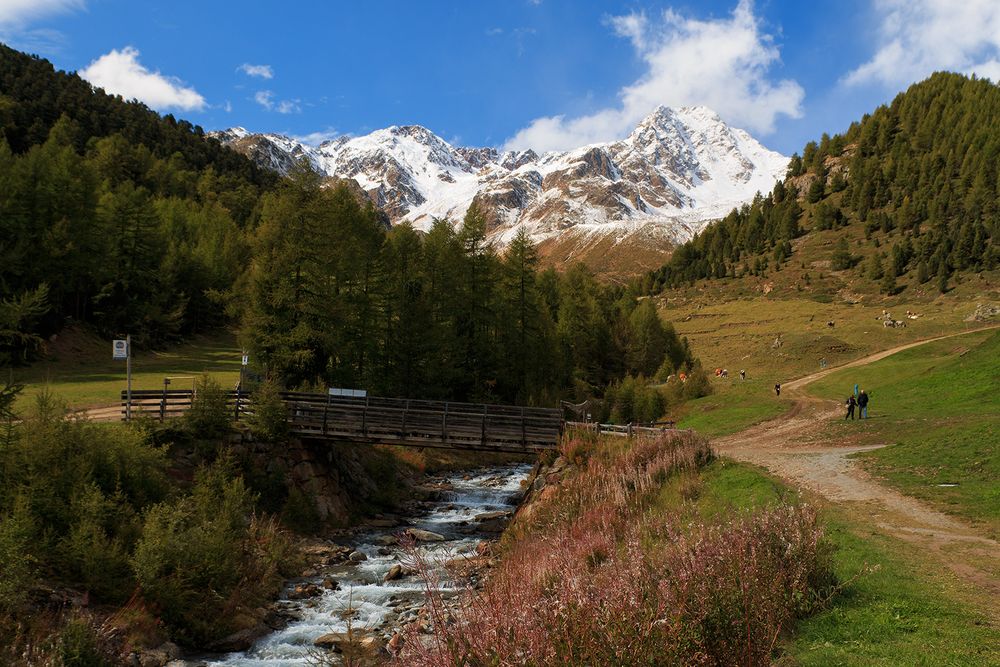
[(395, 572), (304, 591), (493, 525), (424, 535), (490, 516), (357, 556), (332, 640)]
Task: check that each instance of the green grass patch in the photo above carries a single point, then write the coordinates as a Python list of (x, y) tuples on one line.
[(89, 377), (902, 612), (734, 406), (938, 409)]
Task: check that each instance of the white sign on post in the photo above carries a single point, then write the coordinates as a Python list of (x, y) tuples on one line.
[(246, 359), (352, 393), (119, 350)]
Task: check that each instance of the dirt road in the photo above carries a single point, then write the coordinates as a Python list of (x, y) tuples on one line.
[(794, 448)]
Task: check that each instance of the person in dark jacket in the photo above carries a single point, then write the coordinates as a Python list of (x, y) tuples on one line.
[(850, 403), (777, 389), (863, 405)]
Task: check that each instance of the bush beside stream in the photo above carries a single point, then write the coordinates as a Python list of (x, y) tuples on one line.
[(595, 572)]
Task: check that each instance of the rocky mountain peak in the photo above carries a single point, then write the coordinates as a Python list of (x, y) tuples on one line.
[(677, 170)]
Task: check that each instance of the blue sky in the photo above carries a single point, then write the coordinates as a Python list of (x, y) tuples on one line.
[(547, 74)]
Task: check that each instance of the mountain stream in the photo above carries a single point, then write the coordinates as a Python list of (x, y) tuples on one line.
[(362, 593)]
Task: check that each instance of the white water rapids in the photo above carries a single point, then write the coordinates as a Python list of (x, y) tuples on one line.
[(376, 604)]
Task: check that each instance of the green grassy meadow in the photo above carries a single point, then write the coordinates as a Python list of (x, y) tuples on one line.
[(937, 408), (780, 339), (895, 608), (82, 373)]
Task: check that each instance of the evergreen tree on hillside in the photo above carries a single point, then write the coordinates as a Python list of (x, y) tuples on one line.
[(841, 258), (923, 171)]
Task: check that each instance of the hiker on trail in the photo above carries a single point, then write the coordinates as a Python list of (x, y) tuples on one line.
[(822, 362), (850, 407), (855, 390), (863, 405), (777, 389), (743, 374)]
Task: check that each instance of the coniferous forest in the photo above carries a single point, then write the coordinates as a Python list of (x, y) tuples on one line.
[(117, 217), (925, 170)]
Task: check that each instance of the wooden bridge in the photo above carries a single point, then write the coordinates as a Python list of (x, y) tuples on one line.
[(373, 420)]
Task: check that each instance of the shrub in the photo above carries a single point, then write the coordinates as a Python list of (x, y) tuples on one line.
[(209, 417), (632, 399), (205, 554), (299, 513), (269, 418), (81, 487), (697, 384), (597, 580), (80, 645), (96, 550), (16, 563)]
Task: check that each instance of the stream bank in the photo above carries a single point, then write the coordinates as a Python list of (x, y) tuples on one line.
[(360, 591)]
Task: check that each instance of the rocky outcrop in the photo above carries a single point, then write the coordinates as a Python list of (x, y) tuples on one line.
[(332, 478)]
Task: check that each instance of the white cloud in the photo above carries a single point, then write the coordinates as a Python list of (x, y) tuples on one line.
[(918, 37), (265, 98), (17, 15), (19, 12), (121, 73), (721, 63), (262, 71), (318, 137)]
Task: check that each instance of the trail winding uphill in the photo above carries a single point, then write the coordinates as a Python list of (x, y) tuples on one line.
[(793, 447)]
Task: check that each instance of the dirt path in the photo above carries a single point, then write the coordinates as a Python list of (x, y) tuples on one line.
[(792, 446)]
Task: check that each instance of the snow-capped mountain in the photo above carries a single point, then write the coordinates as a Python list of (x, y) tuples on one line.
[(678, 169)]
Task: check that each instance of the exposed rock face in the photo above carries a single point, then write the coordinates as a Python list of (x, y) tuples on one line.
[(678, 169), (333, 479)]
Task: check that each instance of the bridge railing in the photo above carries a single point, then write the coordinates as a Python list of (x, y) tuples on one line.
[(385, 420), (623, 430)]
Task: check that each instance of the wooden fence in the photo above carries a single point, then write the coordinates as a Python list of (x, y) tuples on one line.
[(408, 422)]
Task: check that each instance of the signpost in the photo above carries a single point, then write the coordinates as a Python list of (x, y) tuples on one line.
[(122, 349)]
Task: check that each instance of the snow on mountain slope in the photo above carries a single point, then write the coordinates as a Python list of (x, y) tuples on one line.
[(678, 169)]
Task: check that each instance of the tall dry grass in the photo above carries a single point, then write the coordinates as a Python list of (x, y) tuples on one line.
[(599, 579)]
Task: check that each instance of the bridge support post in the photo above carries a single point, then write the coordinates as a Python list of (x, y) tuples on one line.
[(326, 409)]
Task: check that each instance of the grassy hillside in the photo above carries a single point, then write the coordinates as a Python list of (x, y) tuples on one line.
[(80, 370), (778, 337), (937, 409)]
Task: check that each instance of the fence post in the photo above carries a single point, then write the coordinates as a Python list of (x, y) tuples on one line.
[(326, 409), (629, 431), (444, 424), (524, 436), (482, 437), (236, 409), (163, 401)]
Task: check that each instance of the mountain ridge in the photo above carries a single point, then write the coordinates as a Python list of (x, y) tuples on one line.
[(676, 171)]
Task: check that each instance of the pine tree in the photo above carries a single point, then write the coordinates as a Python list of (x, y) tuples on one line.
[(841, 258), (875, 268), (888, 284)]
